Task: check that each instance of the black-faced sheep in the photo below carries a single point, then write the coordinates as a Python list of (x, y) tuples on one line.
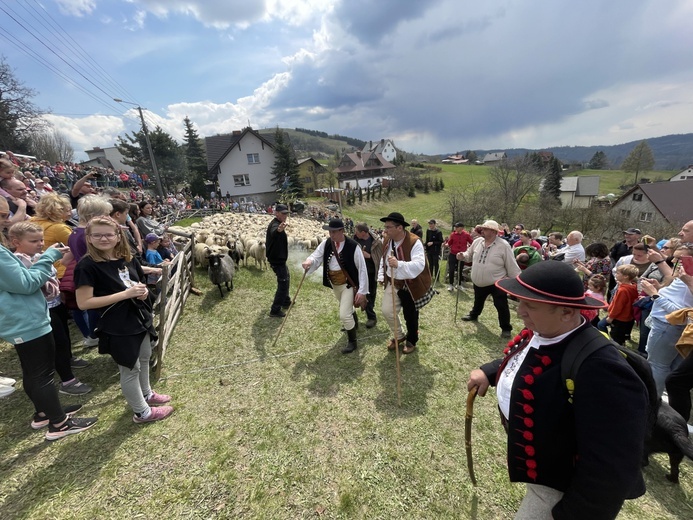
[(221, 269)]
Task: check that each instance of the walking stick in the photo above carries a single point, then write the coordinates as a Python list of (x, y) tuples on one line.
[(394, 312), (290, 307), (468, 432), (457, 299)]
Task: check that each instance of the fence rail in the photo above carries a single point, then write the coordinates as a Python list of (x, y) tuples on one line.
[(176, 283)]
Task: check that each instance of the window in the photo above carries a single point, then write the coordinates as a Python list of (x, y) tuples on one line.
[(625, 213), (253, 158), (241, 180), (637, 196), (646, 216)]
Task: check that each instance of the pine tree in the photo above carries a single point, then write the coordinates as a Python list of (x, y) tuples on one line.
[(599, 161), (285, 172), (195, 158), (552, 181)]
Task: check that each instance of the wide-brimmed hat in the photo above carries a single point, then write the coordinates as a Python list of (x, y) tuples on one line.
[(281, 208), (555, 283), (490, 224), (397, 218), (334, 225)]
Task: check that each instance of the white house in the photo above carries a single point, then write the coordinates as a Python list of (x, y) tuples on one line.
[(684, 175), (107, 158), (384, 147), (579, 192), (241, 164)]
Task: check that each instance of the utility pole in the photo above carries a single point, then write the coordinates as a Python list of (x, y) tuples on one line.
[(155, 170)]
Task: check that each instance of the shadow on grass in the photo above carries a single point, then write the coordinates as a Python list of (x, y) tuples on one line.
[(416, 382), (331, 369), (667, 494), (94, 451)]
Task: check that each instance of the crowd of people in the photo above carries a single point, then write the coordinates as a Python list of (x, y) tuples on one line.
[(95, 257)]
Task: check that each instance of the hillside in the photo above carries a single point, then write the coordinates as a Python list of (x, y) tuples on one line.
[(671, 152)]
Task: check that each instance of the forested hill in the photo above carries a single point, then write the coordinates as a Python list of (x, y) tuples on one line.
[(671, 152)]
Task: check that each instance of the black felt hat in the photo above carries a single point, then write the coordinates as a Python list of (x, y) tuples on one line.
[(395, 217), (555, 283), (334, 225)]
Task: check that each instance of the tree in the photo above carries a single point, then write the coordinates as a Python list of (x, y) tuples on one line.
[(18, 115), (471, 156), (599, 161), (167, 154), (51, 145), (285, 172), (195, 159), (512, 181), (641, 159), (552, 182)]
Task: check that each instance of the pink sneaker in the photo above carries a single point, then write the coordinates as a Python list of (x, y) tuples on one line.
[(156, 399), (156, 414)]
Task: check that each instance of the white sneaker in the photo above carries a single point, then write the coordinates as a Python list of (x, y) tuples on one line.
[(90, 342), (450, 288), (6, 390), (461, 288), (7, 381), (690, 429)]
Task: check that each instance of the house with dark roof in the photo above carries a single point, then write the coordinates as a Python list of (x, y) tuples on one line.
[(657, 205), (241, 163), (384, 147), (361, 169), (495, 157), (579, 192)]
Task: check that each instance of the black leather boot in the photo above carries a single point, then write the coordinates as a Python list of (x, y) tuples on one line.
[(351, 344)]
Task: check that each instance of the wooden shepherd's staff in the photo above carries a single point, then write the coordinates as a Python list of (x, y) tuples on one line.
[(468, 432), (394, 311), (290, 307)]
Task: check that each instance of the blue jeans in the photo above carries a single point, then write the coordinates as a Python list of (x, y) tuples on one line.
[(281, 296), (661, 351)]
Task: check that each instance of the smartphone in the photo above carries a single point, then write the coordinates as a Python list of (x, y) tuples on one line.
[(687, 262), (59, 244)]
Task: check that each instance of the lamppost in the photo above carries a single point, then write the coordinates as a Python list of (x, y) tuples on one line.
[(155, 170)]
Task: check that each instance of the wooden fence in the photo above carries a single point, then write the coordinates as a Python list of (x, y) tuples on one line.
[(177, 280)]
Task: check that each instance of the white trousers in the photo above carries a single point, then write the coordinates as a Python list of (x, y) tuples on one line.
[(345, 297)]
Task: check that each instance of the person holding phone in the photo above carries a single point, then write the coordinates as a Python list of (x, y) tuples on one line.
[(661, 343)]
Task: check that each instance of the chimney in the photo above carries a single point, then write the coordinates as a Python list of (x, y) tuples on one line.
[(236, 132), (382, 142)]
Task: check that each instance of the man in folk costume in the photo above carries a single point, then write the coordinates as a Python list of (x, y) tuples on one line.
[(344, 270), (580, 456), (372, 249), (404, 253)]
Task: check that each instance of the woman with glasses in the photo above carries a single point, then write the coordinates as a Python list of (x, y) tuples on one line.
[(109, 282)]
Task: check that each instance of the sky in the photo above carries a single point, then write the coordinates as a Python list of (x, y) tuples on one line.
[(435, 76)]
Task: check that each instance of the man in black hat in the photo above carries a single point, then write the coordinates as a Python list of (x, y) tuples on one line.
[(277, 251), (344, 270), (404, 256), (434, 243), (580, 458)]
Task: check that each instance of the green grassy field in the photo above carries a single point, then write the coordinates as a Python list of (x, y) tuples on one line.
[(295, 430)]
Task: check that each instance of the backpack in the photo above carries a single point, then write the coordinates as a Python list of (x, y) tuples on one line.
[(582, 345)]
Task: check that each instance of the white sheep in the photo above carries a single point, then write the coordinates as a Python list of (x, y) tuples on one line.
[(258, 253)]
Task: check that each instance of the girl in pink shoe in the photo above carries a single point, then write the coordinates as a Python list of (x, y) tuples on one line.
[(110, 280)]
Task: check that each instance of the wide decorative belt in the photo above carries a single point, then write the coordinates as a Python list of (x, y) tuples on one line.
[(337, 277)]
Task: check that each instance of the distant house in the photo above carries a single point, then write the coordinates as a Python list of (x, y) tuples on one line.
[(311, 174), (656, 204), (579, 192), (106, 158), (684, 175), (384, 147), (546, 157), (455, 159), (241, 163), (495, 157), (359, 169)]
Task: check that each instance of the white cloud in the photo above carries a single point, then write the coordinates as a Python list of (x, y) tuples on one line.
[(76, 7)]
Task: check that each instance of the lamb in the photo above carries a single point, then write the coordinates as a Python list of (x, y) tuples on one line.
[(258, 252), (200, 252), (221, 268)]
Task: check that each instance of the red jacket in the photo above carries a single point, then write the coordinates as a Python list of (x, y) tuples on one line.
[(621, 306), (458, 242)]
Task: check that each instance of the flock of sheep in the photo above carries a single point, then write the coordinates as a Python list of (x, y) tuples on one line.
[(225, 239)]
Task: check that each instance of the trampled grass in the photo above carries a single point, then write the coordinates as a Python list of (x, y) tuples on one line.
[(295, 430)]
